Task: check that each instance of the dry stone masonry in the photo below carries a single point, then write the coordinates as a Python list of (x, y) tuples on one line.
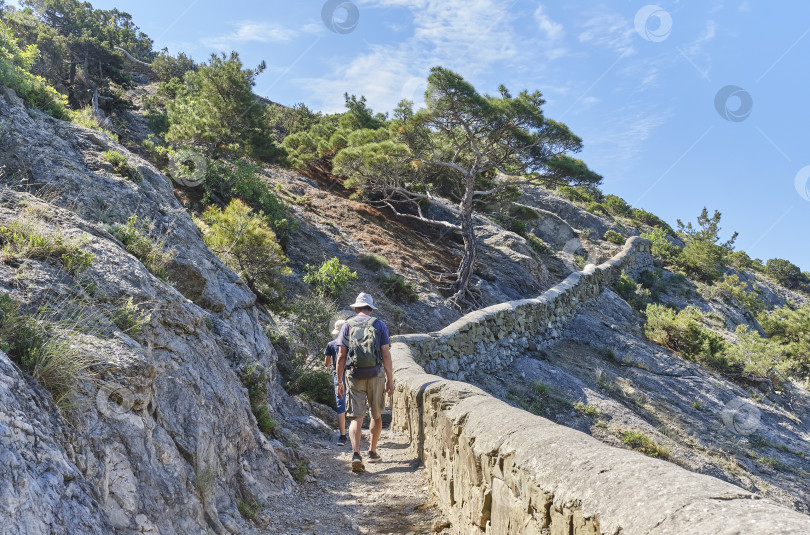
[(500, 470), (490, 338)]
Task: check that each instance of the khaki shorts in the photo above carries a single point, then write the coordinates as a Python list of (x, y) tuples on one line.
[(365, 393)]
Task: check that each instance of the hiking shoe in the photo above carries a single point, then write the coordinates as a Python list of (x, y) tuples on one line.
[(342, 440), (374, 457), (357, 463)]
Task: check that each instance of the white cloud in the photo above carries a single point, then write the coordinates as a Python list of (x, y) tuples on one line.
[(468, 36), (245, 32), (639, 75), (708, 34), (609, 30), (695, 50), (313, 28), (630, 128), (553, 30)]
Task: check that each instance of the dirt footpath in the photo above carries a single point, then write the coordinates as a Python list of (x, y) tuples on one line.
[(391, 496)]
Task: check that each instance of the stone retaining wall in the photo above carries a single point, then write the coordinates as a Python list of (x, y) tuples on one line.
[(492, 337), (500, 470)]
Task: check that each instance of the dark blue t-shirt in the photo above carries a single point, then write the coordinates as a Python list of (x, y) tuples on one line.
[(332, 351)]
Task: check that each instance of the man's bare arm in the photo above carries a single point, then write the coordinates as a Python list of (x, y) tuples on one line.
[(341, 362), (389, 368)]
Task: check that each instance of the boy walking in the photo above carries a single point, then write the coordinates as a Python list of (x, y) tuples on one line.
[(330, 361), (370, 374)]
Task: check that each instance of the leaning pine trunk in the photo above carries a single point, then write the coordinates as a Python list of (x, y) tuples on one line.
[(465, 269)]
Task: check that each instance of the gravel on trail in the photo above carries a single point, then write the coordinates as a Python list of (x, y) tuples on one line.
[(391, 496)]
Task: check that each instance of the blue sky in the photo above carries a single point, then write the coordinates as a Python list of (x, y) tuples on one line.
[(638, 83)]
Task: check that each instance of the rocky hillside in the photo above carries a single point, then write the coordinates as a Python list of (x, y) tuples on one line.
[(159, 436)]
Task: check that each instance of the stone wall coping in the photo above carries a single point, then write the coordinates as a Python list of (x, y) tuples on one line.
[(626, 491)]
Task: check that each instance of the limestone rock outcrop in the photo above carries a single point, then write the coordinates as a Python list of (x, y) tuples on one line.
[(166, 443)]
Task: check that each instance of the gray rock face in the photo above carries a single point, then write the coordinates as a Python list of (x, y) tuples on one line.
[(41, 489), (510, 269), (707, 423), (557, 213), (169, 444)]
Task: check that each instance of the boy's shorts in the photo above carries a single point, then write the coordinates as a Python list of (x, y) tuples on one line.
[(340, 402)]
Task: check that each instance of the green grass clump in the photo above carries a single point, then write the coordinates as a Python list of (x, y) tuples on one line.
[(534, 398), (46, 345), (538, 245), (587, 409), (774, 463), (121, 166), (136, 238), (614, 237), (398, 289), (26, 238), (641, 442), (85, 117), (300, 471), (373, 262), (129, 317), (249, 510), (256, 384)]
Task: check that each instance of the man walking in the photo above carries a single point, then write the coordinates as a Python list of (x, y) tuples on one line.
[(370, 374), (330, 361)]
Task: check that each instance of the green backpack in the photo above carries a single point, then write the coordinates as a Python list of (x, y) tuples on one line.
[(364, 344)]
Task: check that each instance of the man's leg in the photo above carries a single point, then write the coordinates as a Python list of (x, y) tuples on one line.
[(356, 406), (342, 423), (376, 428), (355, 433), (376, 402)]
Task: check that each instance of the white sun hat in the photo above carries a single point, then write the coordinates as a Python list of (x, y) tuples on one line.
[(338, 325), (363, 300)]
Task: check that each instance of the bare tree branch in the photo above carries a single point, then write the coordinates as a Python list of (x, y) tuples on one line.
[(423, 219)]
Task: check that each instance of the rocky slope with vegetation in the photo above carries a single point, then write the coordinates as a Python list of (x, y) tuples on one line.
[(173, 256), (144, 350)]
